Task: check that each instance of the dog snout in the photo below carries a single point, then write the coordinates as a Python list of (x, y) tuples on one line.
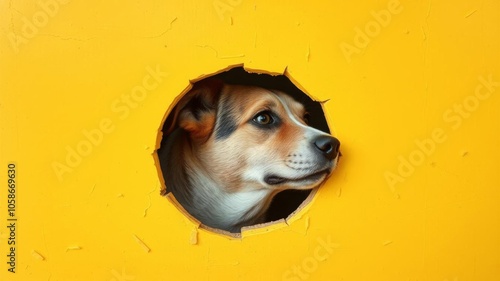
[(328, 146)]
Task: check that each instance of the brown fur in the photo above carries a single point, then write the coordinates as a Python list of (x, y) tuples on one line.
[(222, 165)]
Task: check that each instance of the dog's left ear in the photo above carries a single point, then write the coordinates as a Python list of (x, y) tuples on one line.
[(196, 111)]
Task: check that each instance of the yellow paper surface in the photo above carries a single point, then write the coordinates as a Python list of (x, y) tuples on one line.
[(414, 97)]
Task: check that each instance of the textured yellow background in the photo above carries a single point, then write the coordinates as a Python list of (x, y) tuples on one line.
[(414, 91)]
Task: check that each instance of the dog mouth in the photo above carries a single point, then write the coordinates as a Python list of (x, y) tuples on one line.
[(276, 180)]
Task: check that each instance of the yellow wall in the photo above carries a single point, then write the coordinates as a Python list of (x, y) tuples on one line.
[(414, 97)]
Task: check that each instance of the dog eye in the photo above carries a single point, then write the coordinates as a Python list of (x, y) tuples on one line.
[(263, 118), (306, 117)]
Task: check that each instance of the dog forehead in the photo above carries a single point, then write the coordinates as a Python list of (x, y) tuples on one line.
[(241, 97), (294, 106), (238, 101), (244, 98)]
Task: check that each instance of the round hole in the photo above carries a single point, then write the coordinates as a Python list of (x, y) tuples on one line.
[(285, 202)]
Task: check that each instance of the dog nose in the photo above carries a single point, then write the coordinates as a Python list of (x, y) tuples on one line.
[(328, 145)]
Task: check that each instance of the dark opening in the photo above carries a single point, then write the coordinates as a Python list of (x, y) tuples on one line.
[(286, 202)]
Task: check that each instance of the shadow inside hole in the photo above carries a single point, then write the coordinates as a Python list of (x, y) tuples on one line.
[(285, 202)]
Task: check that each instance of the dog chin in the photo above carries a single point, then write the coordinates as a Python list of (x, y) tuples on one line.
[(303, 182)]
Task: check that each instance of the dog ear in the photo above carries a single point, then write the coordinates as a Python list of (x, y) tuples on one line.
[(196, 111)]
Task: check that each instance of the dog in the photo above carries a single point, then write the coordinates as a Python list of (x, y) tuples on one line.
[(230, 149)]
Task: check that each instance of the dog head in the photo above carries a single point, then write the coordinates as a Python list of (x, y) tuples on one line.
[(246, 137)]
